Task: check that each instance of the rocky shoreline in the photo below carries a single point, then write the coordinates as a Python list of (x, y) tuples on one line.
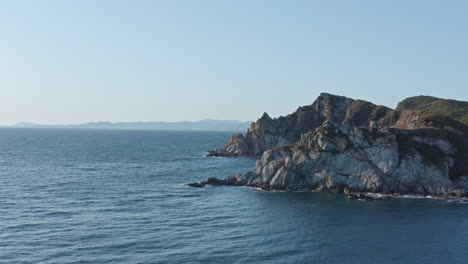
[(353, 147), (452, 197)]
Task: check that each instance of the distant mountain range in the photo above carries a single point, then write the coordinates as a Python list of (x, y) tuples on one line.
[(206, 124)]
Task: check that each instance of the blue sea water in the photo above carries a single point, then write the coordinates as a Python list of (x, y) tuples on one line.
[(117, 196)]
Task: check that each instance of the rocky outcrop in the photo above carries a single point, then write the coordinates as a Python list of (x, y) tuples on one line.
[(268, 133), (339, 144), (210, 181), (341, 157), (235, 147)]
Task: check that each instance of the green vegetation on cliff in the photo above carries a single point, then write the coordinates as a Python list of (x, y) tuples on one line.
[(457, 110)]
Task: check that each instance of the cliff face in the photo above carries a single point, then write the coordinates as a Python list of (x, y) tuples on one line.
[(268, 133), (412, 113), (339, 158)]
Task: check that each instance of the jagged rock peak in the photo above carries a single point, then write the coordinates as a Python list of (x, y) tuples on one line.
[(265, 116)]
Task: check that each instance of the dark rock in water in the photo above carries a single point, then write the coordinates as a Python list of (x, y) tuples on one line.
[(364, 197), (215, 182), (218, 153), (197, 184), (210, 181)]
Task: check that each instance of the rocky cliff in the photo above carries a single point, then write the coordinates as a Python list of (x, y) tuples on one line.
[(344, 158), (268, 133), (343, 145)]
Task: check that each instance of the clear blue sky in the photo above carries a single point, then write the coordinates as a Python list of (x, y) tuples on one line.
[(65, 62)]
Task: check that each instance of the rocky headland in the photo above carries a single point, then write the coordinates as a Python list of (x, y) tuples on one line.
[(351, 146)]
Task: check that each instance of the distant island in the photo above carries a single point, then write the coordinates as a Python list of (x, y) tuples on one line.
[(342, 145), (203, 125)]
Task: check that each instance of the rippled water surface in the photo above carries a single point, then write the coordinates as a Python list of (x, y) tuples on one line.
[(109, 196)]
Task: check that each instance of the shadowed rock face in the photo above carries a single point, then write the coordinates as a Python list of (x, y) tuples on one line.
[(340, 157)]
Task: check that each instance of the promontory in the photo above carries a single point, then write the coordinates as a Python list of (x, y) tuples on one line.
[(340, 144)]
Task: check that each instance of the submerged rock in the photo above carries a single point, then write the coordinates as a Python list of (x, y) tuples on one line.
[(210, 181), (197, 184), (366, 197), (215, 182)]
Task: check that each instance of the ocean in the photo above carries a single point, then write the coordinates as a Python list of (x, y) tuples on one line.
[(118, 196)]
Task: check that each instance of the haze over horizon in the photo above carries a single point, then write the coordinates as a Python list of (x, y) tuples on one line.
[(121, 61), (134, 122)]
